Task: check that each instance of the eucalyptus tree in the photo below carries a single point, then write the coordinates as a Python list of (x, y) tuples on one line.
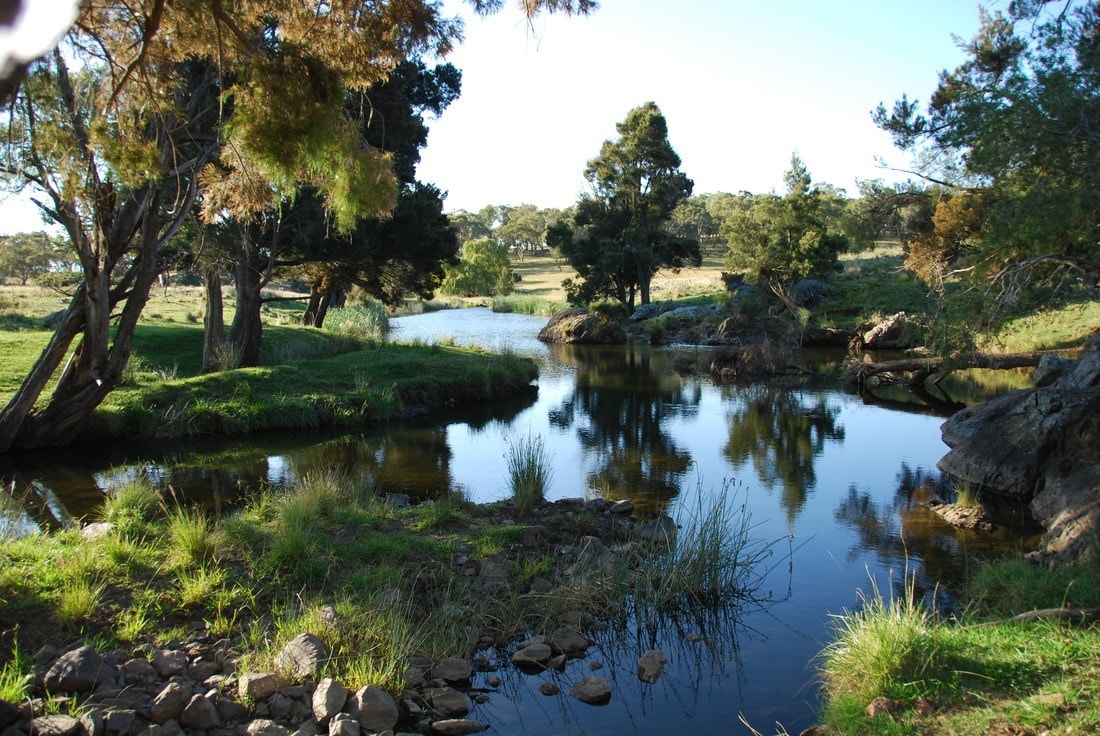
[(1012, 134), (154, 110), (620, 236)]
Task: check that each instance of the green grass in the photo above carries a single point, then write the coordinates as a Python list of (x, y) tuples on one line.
[(973, 677)]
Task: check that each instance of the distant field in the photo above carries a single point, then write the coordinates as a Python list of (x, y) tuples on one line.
[(541, 277)]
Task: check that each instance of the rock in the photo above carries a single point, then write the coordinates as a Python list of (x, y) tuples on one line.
[(453, 669), (9, 713), (457, 727), (328, 700), (650, 665), (881, 706), (200, 713), (810, 293), (374, 708), (1038, 446), (662, 529), (592, 690), (447, 702), (495, 568), (96, 530), (75, 671), (548, 688), (1052, 368), (534, 655), (651, 310), (265, 727), (569, 641), (169, 702), (577, 326), (624, 506), (169, 662), (259, 685), (138, 671), (55, 725), (302, 656), (343, 725)]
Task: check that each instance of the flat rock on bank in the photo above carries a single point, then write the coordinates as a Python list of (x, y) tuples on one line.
[(1039, 446)]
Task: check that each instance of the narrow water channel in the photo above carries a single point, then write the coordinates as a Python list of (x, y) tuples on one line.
[(834, 481)]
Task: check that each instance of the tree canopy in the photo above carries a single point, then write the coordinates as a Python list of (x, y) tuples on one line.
[(1012, 134), (782, 239), (153, 110), (620, 237)]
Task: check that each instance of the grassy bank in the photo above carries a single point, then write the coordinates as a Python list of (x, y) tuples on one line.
[(982, 675), (438, 579), (344, 375)]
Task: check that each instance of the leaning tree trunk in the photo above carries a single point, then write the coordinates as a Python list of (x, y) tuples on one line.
[(213, 324)]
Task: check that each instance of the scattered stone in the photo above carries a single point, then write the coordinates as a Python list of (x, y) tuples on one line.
[(328, 699), (495, 568), (200, 713), (661, 529), (882, 706), (569, 641), (55, 725), (592, 690), (694, 637), (75, 671), (96, 530), (302, 656), (343, 725), (624, 506), (457, 727), (650, 665), (265, 727), (169, 702), (453, 669), (259, 685), (493, 681), (595, 666), (548, 688), (447, 702), (169, 662), (374, 708), (534, 655)]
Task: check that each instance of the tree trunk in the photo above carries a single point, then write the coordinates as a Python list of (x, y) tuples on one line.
[(920, 369), (245, 332), (213, 332)]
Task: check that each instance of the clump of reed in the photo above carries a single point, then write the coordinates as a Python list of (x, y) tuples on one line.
[(530, 470)]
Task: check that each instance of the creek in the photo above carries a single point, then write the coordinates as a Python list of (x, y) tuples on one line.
[(836, 482)]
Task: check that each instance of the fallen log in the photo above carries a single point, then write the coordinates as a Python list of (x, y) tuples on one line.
[(880, 373)]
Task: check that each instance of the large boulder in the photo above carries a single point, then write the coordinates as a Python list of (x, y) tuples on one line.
[(1039, 446), (578, 325)]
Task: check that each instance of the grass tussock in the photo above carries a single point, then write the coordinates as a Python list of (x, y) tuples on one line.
[(976, 676), (530, 470)]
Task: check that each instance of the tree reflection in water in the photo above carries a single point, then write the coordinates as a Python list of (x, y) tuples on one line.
[(782, 435), (904, 530), (621, 405)]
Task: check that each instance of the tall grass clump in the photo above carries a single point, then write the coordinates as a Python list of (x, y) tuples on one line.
[(886, 648), (77, 600), (193, 538), (710, 558), (968, 495), (367, 321), (529, 471), (13, 675), (131, 505)]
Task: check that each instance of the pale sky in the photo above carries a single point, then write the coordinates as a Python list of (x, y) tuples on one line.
[(742, 86)]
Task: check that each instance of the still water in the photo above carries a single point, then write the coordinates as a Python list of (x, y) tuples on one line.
[(835, 482)]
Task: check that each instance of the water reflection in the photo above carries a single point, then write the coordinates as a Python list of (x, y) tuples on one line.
[(782, 432), (620, 407)]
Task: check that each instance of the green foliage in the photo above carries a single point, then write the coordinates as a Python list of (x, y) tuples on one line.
[(619, 238), (483, 270), (367, 321), (783, 239), (1002, 129)]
